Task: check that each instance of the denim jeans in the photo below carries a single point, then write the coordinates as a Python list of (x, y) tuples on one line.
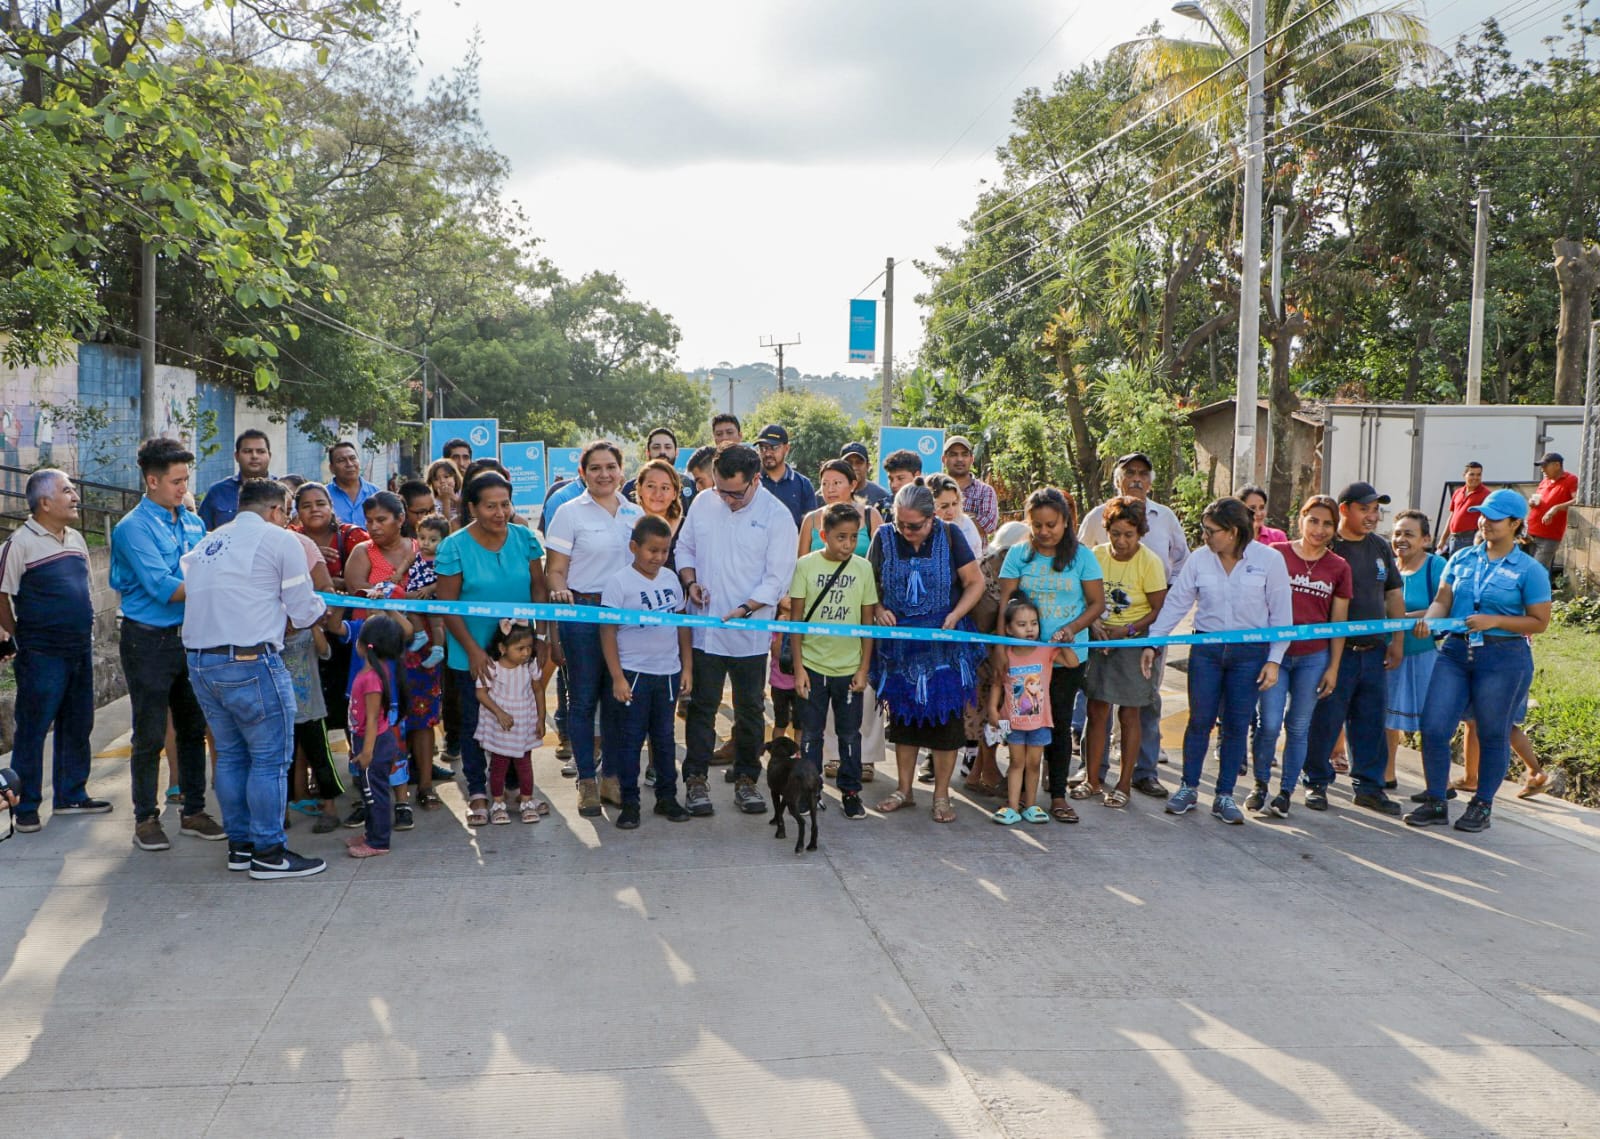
[(473, 764), (157, 671), (250, 707), (1356, 706), (648, 717), (588, 681), (1489, 680), (1296, 694), (833, 692), (58, 692), (1065, 684), (1222, 688), (749, 678)]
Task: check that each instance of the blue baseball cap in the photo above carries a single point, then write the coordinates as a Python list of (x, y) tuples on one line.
[(1502, 504)]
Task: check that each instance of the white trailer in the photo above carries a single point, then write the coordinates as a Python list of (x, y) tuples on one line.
[(1415, 453)]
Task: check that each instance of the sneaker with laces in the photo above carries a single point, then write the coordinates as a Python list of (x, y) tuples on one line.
[(28, 822), (1377, 801), (357, 816), (697, 798), (1280, 805), (83, 807), (1183, 800), (1257, 802), (671, 810), (1431, 813), (628, 817), (240, 855), (404, 818), (569, 769), (1475, 818), (1223, 807), (202, 825), (1316, 798), (747, 798), (588, 798), (853, 808), (281, 862), (148, 835)]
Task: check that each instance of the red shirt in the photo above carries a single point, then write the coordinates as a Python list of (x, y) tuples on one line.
[(1462, 520), (1312, 588), (1552, 492)]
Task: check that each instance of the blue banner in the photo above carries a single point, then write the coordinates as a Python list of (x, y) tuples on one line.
[(863, 332), (482, 435), (927, 442), (682, 461), (525, 463), (563, 462)]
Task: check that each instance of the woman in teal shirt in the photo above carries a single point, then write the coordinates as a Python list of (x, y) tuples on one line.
[(489, 559), (836, 483), (1421, 571), (1504, 597)]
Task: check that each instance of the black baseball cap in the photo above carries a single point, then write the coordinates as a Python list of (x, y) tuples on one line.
[(855, 449), (1551, 457), (1361, 493), (1135, 457), (772, 433)]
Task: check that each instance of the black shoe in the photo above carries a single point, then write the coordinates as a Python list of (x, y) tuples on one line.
[(1432, 813), (357, 816), (1150, 786), (1257, 802), (628, 817), (404, 818), (671, 810), (28, 822), (1390, 784), (84, 807), (649, 776), (729, 775), (926, 774), (240, 855), (268, 865), (1475, 818), (1280, 805), (442, 774), (1422, 796), (1316, 798), (1377, 801), (853, 808)]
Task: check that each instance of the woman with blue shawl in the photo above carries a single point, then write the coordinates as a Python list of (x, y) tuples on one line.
[(928, 578)]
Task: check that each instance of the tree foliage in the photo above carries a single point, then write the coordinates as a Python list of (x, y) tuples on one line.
[(818, 427)]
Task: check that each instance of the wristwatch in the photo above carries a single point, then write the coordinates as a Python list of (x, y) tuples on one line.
[(744, 607)]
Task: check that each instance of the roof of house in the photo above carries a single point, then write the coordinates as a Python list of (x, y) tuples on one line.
[(1309, 413)]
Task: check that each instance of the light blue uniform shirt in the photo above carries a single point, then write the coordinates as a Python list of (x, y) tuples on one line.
[(1503, 587), (145, 550)]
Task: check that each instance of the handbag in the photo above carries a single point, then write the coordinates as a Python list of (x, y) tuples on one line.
[(785, 649)]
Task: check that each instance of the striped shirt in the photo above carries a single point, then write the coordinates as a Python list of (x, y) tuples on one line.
[(47, 579)]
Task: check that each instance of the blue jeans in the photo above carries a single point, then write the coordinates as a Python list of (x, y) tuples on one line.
[(1295, 691), (57, 692), (1356, 706), (826, 692), (1222, 687), (1489, 680), (249, 706), (473, 763), (588, 681), (649, 717)]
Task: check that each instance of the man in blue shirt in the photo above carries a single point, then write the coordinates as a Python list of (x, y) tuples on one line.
[(790, 487), (347, 490), (47, 607), (253, 452), (145, 550)]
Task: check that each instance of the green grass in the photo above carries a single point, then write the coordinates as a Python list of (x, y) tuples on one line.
[(1564, 707)]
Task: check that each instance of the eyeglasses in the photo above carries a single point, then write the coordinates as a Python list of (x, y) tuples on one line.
[(1212, 531), (736, 495)]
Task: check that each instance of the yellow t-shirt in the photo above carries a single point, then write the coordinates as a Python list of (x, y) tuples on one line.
[(1129, 583)]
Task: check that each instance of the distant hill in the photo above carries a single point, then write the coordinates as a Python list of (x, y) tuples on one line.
[(753, 382)]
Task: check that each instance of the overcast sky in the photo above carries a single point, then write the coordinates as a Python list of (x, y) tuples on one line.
[(748, 167)]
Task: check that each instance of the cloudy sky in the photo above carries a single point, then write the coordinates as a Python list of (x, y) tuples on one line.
[(748, 166)]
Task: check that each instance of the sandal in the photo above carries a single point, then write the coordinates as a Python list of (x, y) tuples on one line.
[(1035, 814), (1006, 817), (477, 812), (830, 770), (1340, 764), (174, 794), (1462, 785), (1082, 791), (530, 810), (895, 801), (429, 800), (1063, 814), (943, 811), (539, 805), (1116, 797), (979, 787), (1537, 782), (498, 814)]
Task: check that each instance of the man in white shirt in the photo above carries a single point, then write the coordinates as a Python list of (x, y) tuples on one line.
[(241, 583), (735, 555), (1167, 540)]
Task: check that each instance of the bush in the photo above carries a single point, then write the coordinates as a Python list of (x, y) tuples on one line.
[(1564, 706)]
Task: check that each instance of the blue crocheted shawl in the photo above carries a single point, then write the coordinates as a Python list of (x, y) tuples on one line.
[(922, 682)]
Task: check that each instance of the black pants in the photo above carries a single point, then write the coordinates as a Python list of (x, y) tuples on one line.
[(312, 739), (1065, 684), (157, 672), (335, 675), (749, 677)]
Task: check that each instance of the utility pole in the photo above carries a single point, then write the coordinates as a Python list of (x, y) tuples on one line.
[(1589, 486), (778, 345), (1480, 274), (1278, 213), (148, 397), (886, 410), (1244, 421)]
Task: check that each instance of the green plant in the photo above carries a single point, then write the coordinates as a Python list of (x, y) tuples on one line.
[(89, 424), (201, 427), (1577, 613)]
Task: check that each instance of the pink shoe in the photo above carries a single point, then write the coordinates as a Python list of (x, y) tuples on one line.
[(362, 850)]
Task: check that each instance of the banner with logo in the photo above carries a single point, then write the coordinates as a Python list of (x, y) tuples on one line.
[(482, 435), (563, 462), (525, 464), (927, 442), (863, 331)]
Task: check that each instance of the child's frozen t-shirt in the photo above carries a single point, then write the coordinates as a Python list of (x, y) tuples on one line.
[(650, 649), (1027, 690)]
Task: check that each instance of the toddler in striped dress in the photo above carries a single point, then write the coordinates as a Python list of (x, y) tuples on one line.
[(514, 725)]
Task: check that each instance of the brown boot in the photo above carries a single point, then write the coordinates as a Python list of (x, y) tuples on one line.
[(588, 798), (611, 790), (723, 754)]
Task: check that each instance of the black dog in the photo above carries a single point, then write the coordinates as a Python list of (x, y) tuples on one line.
[(795, 786)]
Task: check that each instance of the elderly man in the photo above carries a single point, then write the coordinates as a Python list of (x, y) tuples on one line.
[(45, 604), (252, 451), (978, 499), (1132, 478), (242, 582), (146, 551), (348, 490), (736, 554), (791, 487)]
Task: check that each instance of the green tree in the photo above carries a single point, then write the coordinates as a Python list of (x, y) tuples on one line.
[(818, 427)]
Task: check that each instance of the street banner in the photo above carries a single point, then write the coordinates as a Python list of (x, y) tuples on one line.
[(563, 462), (525, 463), (928, 442), (482, 435), (863, 331)]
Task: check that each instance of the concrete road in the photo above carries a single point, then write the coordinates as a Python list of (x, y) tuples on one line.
[(1135, 975)]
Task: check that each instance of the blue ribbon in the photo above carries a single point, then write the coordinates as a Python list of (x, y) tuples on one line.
[(595, 615)]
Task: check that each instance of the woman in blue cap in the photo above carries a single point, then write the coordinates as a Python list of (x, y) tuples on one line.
[(1504, 596)]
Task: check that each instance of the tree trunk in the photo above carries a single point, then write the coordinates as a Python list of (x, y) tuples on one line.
[(1086, 455), (1577, 272), (1282, 403), (1167, 349)]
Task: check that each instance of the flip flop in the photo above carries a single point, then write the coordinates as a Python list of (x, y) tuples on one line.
[(1537, 782), (944, 811), (1063, 814), (1116, 798)]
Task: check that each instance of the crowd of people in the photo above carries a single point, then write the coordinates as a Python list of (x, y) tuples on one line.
[(228, 645)]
